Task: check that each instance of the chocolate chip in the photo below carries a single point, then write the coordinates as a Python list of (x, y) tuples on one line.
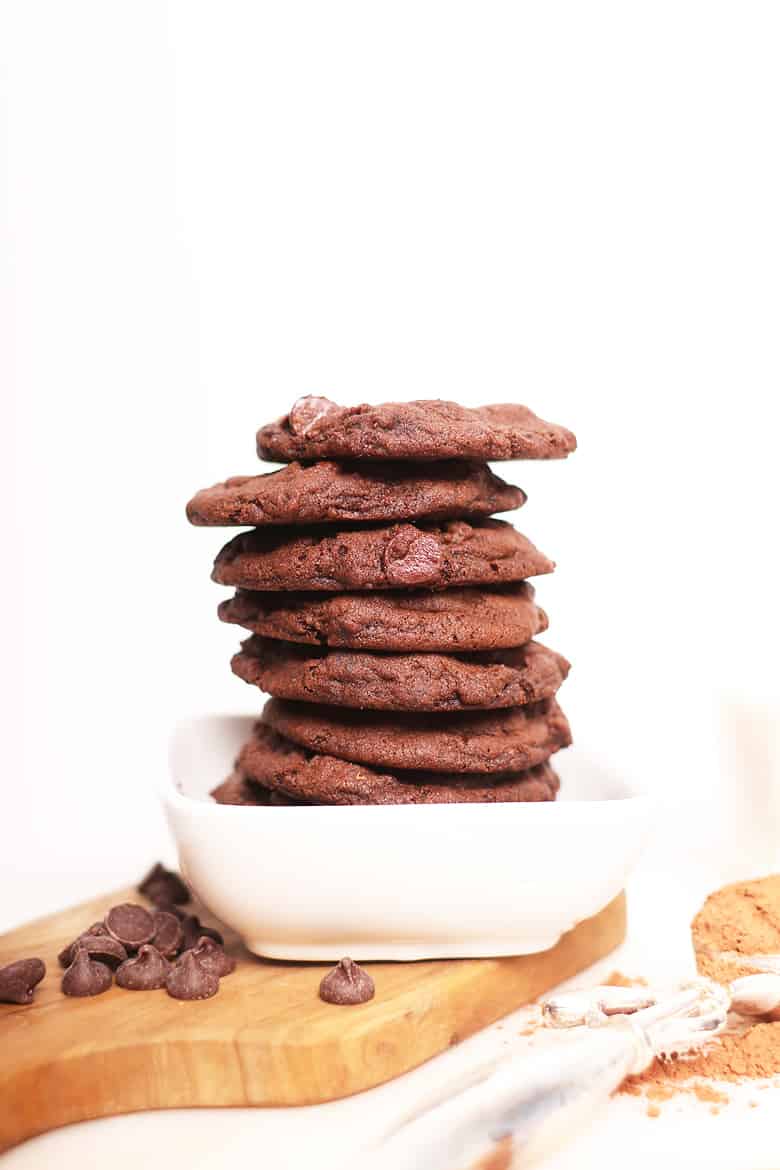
[(347, 983), (147, 971), (188, 979), (307, 411), (412, 558), (85, 976), (168, 934), (211, 956), (177, 912), (130, 924), (18, 979), (96, 928), (65, 957), (193, 929), (102, 948), (163, 887)]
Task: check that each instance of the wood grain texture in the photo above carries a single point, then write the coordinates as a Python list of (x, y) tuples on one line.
[(265, 1039)]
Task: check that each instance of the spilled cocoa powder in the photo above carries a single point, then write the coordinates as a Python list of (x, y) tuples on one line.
[(618, 979), (743, 918)]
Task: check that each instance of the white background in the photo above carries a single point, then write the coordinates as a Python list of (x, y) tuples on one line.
[(210, 209)]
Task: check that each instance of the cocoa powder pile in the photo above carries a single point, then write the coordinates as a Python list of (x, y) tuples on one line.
[(743, 919)]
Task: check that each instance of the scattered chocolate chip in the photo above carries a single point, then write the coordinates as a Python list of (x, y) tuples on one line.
[(188, 979), (18, 979), (213, 933), (102, 948), (347, 983), (211, 956), (65, 957), (177, 912), (168, 934), (130, 924), (164, 887), (147, 971), (85, 976), (193, 929)]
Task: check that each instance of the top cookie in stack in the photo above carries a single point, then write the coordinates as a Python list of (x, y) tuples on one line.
[(391, 618)]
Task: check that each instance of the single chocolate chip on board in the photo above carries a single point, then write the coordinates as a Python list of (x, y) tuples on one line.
[(212, 957), (146, 971), (130, 924), (163, 887), (85, 976), (189, 979), (18, 980), (168, 934), (347, 983)]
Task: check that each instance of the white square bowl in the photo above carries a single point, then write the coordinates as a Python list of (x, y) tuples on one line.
[(399, 882)]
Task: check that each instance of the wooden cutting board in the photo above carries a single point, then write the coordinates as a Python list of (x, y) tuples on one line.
[(265, 1039)]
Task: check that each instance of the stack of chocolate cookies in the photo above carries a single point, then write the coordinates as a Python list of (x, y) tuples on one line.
[(391, 618)]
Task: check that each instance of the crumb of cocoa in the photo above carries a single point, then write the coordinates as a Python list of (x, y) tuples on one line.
[(706, 1092), (631, 1087), (618, 979), (659, 1092)]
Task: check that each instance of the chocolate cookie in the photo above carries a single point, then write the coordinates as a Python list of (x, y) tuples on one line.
[(418, 620), (322, 779), (400, 556), (474, 741), (324, 492), (239, 788), (317, 428), (401, 682)]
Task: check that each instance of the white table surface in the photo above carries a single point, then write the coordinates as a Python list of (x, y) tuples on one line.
[(742, 1135)]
